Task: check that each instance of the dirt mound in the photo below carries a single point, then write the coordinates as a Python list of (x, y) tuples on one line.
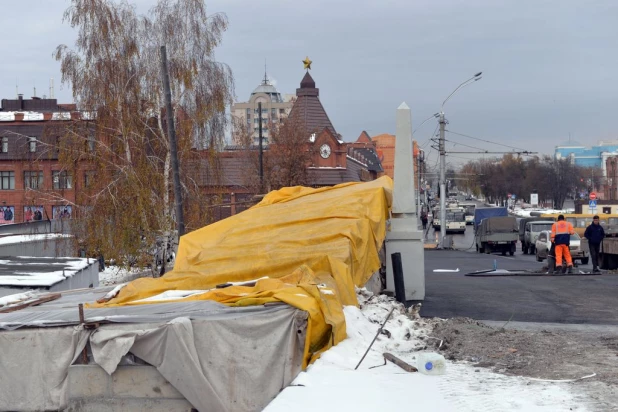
[(541, 354)]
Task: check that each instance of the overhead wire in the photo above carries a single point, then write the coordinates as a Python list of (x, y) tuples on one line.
[(465, 145), (484, 140), (464, 158), (432, 135)]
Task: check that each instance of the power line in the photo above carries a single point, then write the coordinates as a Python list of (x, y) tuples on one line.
[(429, 139), (483, 140), (525, 152), (465, 145), (459, 157)]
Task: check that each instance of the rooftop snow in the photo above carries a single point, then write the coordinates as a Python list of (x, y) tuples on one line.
[(39, 271)]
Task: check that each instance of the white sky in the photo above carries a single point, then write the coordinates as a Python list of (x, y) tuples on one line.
[(549, 67)]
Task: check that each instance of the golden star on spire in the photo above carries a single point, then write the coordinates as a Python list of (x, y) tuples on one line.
[(307, 63)]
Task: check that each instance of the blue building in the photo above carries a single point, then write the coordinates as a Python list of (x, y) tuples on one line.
[(594, 156)]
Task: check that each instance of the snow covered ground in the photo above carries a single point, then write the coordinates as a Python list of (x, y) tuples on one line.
[(114, 275), (332, 384)]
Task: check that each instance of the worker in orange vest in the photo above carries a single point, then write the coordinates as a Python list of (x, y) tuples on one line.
[(561, 232)]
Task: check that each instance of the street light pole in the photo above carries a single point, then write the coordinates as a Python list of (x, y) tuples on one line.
[(471, 80), (442, 180)]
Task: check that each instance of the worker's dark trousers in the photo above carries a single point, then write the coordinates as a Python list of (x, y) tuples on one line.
[(594, 254)]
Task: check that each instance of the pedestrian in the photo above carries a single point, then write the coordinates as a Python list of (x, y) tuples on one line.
[(429, 223), (595, 234), (424, 220), (561, 232)]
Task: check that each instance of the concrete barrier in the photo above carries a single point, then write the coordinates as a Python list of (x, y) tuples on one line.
[(129, 388)]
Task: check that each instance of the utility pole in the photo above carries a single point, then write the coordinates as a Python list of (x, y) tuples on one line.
[(418, 192), (261, 149), (171, 131), (442, 179), (471, 80)]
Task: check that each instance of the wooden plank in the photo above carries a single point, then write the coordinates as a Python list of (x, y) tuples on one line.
[(403, 365), (40, 300), (610, 245)]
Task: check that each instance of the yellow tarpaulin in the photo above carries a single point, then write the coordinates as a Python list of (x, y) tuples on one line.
[(305, 247)]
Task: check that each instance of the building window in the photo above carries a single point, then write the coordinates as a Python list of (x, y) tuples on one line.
[(5, 145), (281, 111), (7, 180), (273, 113), (89, 177), (62, 180), (32, 144), (7, 214), (90, 143), (248, 111), (33, 180), (62, 212)]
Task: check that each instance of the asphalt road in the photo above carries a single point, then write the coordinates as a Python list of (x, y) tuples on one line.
[(567, 299), (581, 299)]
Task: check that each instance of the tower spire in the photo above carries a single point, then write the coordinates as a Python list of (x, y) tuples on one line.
[(265, 81)]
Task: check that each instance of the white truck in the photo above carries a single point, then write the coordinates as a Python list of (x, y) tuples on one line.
[(531, 233)]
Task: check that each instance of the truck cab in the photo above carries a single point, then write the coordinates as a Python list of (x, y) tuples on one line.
[(531, 233)]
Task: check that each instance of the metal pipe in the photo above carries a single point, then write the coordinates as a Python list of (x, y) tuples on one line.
[(81, 322), (400, 289), (375, 337)]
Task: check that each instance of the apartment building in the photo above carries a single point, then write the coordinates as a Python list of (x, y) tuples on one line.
[(246, 119)]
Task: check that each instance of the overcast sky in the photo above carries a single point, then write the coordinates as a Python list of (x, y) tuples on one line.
[(549, 67)]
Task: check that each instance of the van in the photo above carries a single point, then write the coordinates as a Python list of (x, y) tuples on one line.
[(531, 233)]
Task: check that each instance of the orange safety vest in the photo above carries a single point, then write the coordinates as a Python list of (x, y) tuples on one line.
[(561, 232)]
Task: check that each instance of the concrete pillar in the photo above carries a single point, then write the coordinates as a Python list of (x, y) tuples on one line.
[(404, 236), (404, 202)]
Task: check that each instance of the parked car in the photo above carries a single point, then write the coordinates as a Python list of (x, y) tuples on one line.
[(543, 244)]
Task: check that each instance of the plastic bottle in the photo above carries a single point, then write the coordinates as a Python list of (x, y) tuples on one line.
[(431, 363)]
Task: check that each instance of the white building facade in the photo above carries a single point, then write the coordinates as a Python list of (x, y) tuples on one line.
[(245, 116)]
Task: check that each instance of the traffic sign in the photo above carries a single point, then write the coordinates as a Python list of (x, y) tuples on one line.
[(593, 196), (509, 195), (592, 204), (513, 196)]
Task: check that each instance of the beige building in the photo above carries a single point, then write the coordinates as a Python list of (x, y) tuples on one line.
[(275, 108)]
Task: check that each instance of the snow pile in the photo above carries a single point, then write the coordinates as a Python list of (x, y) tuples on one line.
[(332, 384), (114, 275), (11, 239), (18, 298), (25, 278)]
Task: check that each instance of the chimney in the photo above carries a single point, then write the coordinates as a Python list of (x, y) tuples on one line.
[(20, 97)]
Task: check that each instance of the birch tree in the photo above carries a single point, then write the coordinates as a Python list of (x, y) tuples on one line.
[(115, 74)]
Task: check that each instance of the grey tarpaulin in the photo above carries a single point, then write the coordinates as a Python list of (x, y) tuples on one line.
[(222, 359), (33, 367)]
